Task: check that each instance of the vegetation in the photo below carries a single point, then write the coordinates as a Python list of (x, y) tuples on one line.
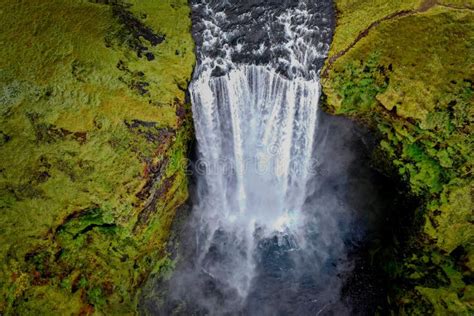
[(409, 76), (94, 129)]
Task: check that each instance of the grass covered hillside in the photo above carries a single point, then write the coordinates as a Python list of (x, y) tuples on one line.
[(406, 68), (94, 130)]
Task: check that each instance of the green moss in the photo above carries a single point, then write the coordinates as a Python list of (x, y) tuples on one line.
[(358, 84), (355, 16), (89, 124), (443, 301), (409, 78)]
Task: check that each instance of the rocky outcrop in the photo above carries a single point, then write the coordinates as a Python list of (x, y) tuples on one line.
[(93, 139), (405, 68)]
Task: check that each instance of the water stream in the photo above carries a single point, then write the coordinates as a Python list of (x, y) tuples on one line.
[(277, 202)]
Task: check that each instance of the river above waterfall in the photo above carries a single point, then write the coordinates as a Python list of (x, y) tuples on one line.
[(282, 194)]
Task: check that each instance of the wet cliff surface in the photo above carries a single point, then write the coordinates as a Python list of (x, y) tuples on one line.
[(403, 68), (94, 128)]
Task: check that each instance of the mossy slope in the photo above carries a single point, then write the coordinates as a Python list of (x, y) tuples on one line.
[(93, 136), (405, 68)]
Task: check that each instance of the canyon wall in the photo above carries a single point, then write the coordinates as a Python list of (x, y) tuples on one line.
[(405, 69), (94, 133)]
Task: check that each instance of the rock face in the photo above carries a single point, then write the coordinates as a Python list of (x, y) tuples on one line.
[(405, 68), (93, 139)]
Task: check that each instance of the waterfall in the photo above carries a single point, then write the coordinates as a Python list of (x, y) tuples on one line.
[(282, 193), (255, 132), (255, 121), (271, 213)]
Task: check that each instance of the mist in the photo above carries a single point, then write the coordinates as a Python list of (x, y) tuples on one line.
[(283, 193)]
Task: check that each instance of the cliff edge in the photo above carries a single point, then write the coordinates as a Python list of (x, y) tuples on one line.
[(405, 69), (93, 139)]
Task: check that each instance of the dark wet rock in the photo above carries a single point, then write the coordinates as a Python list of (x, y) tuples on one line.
[(255, 27)]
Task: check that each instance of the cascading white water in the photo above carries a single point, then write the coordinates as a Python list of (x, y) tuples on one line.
[(281, 196), (255, 131), (255, 126)]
